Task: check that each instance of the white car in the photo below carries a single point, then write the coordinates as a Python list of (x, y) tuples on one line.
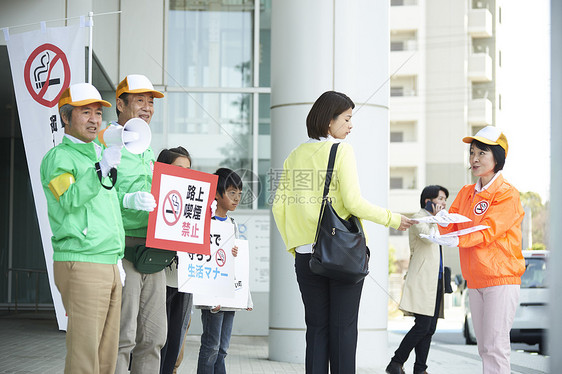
[(531, 317)]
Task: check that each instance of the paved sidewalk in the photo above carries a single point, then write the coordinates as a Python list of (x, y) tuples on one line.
[(31, 343)]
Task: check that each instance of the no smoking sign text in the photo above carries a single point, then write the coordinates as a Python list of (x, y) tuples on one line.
[(182, 219)]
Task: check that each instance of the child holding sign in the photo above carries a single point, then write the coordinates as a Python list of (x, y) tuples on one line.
[(217, 322), (178, 304)]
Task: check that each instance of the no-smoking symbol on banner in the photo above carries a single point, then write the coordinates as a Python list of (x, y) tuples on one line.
[(220, 257), (47, 74), (171, 209)]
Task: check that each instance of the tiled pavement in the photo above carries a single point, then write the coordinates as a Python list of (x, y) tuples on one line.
[(31, 343)]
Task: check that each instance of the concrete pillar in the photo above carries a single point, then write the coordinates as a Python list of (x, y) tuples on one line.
[(555, 331), (317, 46)]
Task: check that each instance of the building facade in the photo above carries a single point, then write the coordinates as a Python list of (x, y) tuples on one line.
[(234, 98), (445, 68)]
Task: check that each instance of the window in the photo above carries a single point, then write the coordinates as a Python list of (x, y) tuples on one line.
[(396, 137), (535, 275), (396, 183), (403, 85), (396, 46), (403, 40), (396, 91), (403, 131), (217, 88), (403, 178)]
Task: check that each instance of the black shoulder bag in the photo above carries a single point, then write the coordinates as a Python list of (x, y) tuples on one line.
[(339, 250)]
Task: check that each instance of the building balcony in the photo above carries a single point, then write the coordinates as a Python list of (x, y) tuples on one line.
[(480, 112), (404, 201), (405, 108), (406, 17), (403, 154), (480, 67), (480, 23), (412, 67)]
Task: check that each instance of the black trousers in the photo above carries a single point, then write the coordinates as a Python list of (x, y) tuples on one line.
[(331, 310), (419, 336), (178, 309)]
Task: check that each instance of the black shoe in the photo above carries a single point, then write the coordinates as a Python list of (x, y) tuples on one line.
[(395, 368)]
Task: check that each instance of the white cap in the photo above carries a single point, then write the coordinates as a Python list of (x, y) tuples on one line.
[(81, 94), (490, 135)]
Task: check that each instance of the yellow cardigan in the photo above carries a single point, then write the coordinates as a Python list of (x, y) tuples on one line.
[(297, 202)]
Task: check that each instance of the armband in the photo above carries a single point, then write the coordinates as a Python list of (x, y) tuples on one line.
[(60, 184)]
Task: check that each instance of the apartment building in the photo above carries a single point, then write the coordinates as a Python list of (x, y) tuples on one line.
[(445, 69)]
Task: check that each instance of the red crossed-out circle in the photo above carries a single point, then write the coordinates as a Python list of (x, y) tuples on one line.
[(59, 55), (220, 257), (168, 203), (481, 208)]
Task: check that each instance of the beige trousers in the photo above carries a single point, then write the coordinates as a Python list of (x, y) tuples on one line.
[(91, 294)]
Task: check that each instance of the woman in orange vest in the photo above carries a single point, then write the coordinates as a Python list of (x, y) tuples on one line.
[(491, 259)]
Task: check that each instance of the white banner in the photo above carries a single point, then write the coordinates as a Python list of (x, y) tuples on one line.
[(240, 300), (44, 63), (211, 274)]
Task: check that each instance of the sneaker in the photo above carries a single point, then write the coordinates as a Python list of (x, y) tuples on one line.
[(395, 368)]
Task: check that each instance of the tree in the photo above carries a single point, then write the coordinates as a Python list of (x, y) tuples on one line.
[(539, 219)]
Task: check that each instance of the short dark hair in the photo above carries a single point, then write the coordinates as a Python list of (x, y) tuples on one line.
[(168, 156), (125, 97), (431, 192), (497, 151), (227, 178), (326, 108), (65, 113)]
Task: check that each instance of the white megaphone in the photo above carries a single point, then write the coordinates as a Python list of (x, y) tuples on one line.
[(135, 136)]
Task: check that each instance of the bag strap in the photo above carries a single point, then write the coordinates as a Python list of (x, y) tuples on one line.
[(330, 168), (112, 176), (329, 171)]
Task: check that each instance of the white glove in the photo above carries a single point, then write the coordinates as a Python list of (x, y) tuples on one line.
[(121, 272), (110, 158), (139, 201), (213, 208), (440, 214), (448, 241)]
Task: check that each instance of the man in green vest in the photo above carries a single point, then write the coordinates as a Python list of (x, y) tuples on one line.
[(88, 237), (143, 312)]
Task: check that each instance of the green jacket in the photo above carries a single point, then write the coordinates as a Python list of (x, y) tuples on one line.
[(84, 217), (134, 173), (297, 202)]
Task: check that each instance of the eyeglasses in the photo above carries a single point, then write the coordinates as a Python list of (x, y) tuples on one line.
[(234, 194)]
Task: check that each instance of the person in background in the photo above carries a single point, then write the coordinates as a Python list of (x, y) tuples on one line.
[(491, 259), (88, 237), (331, 307), (178, 304), (143, 312), (422, 295)]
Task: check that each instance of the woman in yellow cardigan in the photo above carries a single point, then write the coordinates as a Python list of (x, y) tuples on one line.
[(331, 307)]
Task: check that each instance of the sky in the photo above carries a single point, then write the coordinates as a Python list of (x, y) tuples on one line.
[(525, 89)]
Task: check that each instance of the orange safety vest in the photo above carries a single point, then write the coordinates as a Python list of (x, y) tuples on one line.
[(490, 257)]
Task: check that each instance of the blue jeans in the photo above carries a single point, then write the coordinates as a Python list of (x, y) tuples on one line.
[(217, 328)]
